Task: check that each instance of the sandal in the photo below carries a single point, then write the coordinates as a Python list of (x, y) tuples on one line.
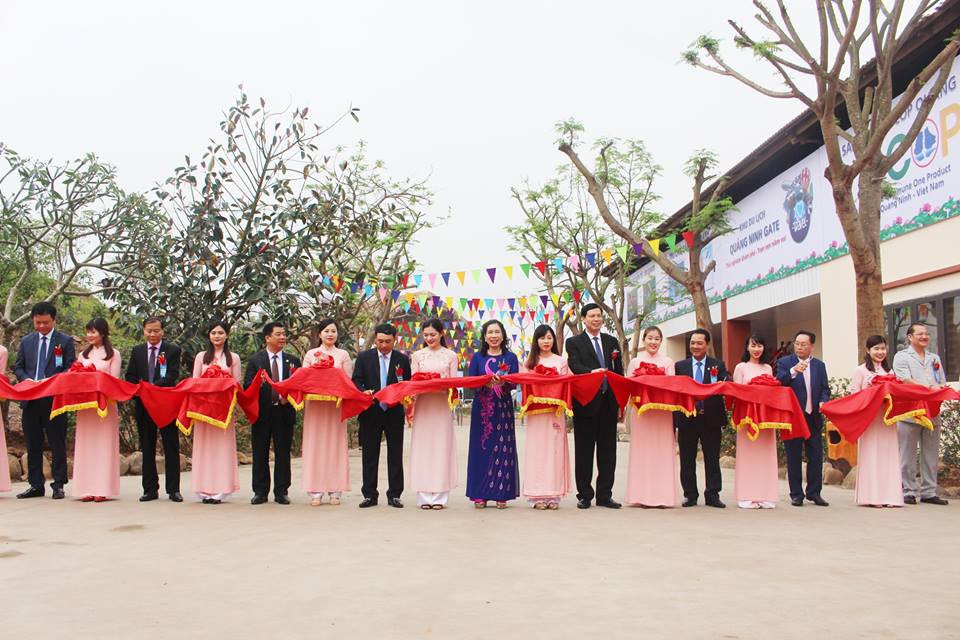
[(86, 499), (539, 506), (99, 499), (316, 502), (436, 507), (553, 506), (335, 501), (480, 504), (425, 507), (501, 505)]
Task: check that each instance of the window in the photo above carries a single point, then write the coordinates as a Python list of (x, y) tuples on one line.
[(941, 314)]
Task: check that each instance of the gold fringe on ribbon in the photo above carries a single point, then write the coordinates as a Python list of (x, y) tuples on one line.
[(753, 428), (920, 415), (561, 407), (82, 406), (199, 417), (658, 406)]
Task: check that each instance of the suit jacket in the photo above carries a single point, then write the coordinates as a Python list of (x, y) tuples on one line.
[(713, 412), (582, 358), (138, 370), (25, 367), (366, 375), (819, 384), (261, 360)]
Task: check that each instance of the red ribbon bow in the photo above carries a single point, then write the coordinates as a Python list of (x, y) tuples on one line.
[(215, 371), (57, 350), (648, 369), (162, 359), (714, 371), (79, 367), (399, 371), (504, 367), (765, 380), (323, 362), (888, 377), (614, 354), (546, 371), (936, 366), (424, 375)]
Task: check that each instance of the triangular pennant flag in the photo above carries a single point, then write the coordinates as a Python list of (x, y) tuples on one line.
[(449, 303), (446, 277), (526, 270), (574, 262), (512, 302), (417, 279), (488, 303), (396, 295), (542, 267), (492, 273), (688, 238), (558, 264), (404, 279), (638, 249), (592, 258), (622, 252), (509, 272), (607, 255), (655, 245), (476, 276), (461, 275), (671, 241), (463, 304), (544, 300), (433, 280)]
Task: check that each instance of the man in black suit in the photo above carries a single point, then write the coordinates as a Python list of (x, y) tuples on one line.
[(43, 354), (277, 417), (158, 362), (807, 376), (595, 424), (375, 369), (705, 428)]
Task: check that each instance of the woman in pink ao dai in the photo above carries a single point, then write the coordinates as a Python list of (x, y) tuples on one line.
[(546, 462), (5, 471), (215, 473), (326, 463), (433, 447), (96, 451), (652, 472), (878, 451), (756, 480)]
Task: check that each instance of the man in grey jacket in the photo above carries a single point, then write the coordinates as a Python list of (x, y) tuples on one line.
[(917, 365)]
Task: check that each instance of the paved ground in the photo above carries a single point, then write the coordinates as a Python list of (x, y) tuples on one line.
[(159, 570)]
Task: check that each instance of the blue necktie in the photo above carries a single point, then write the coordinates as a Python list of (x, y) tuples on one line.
[(42, 360), (383, 377), (596, 347), (698, 376)]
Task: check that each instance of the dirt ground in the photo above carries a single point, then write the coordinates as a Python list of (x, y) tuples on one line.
[(162, 570)]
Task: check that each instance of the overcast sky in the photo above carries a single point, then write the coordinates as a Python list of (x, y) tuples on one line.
[(466, 94)]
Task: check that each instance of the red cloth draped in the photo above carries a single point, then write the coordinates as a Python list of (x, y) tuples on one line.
[(323, 382), (80, 387), (210, 398), (771, 413), (653, 391), (549, 393), (898, 401), (583, 387), (406, 390)]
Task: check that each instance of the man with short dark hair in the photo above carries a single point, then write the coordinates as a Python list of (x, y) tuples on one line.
[(917, 365), (705, 428), (43, 354), (156, 361), (375, 369), (807, 376), (276, 419), (595, 423)]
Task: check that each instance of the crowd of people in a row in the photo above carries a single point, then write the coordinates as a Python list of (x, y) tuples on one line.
[(887, 472)]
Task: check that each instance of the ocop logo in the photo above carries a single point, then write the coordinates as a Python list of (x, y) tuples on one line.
[(925, 147), (798, 204)]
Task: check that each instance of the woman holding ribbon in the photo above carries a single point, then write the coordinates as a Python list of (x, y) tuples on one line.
[(652, 471), (492, 472), (96, 452), (433, 447), (756, 480), (878, 450), (5, 472), (326, 464), (215, 471), (546, 462)]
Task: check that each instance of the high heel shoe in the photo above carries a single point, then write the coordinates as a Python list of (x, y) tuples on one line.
[(86, 499)]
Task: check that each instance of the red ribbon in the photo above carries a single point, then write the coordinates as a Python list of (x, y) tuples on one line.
[(648, 369)]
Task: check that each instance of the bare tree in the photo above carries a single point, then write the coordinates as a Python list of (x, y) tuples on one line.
[(830, 79)]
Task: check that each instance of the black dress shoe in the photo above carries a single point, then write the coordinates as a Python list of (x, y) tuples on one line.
[(256, 499), (281, 499), (395, 502), (689, 502), (797, 502), (32, 492), (716, 503), (58, 494), (583, 504), (935, 500), (175, 497), (147, 497), (817, 500), (609, 504), (368, 502), (906, 500)]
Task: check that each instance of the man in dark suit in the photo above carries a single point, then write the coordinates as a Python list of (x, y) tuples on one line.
[(158, 362), (807, 376), (277, 417), (595, 423), (43, 354), (705, 428), (375, 369)]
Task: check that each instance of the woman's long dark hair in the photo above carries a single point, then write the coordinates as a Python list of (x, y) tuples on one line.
[(873, 341), (534, 356), (208, 354), (100, 326), (754, 337), (436, 325), (504, 346)]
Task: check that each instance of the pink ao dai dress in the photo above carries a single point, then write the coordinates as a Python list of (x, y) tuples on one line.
[(215, 471), (5, 470), (878, 454), (326, 463), (652, 473), (756, 483), (96, 451), (433, 446), (546, 460)]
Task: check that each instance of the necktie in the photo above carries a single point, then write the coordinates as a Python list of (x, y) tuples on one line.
[(275, 376), (600, 359), (42, 360), (152, 363), (698, 376), (808, 408), (384, 363)]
